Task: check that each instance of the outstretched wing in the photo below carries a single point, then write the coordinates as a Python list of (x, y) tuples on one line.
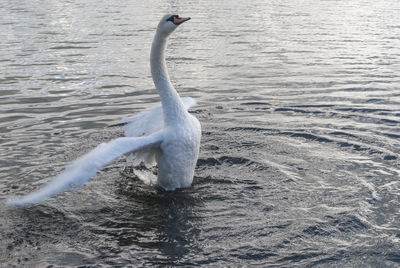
[(150, 120), (82, 169)]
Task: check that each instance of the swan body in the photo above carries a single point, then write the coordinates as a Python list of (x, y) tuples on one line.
[(166, 133)]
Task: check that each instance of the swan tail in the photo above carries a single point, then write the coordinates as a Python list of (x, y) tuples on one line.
[(82, 169)]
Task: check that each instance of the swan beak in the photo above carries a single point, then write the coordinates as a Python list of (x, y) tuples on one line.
[(179, 20)]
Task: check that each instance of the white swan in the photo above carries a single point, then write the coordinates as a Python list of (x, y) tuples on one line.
[(166, 132)]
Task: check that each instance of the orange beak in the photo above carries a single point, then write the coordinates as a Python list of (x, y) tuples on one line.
[(179, 20)]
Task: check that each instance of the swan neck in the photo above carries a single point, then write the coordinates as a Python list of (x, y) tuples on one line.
[(157, 58), (172, 105)]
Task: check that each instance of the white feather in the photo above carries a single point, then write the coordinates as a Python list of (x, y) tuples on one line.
[(144, 123), (83, 168), (150, 120)]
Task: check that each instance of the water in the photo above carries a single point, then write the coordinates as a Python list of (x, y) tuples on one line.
[(299, 104)]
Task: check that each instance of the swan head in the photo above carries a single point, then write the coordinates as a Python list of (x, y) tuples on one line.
[(169, 23)]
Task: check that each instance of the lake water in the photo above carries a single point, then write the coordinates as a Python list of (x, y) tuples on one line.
[(300, 109)]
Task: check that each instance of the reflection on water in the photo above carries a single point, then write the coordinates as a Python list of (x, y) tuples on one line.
[(299, 105)]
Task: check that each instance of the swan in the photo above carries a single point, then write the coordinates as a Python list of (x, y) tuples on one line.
[(166, 133)]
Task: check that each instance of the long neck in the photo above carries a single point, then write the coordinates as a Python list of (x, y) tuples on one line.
[(173, 108)]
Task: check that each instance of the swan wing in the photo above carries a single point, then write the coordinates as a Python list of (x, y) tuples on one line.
[(150, 120), (83, 168)]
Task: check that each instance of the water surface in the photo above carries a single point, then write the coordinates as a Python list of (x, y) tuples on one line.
[(299, 105)]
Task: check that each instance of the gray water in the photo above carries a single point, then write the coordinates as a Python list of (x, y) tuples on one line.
[(300, 108)]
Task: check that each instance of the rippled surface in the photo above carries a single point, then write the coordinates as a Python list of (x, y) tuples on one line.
[(299, 104)]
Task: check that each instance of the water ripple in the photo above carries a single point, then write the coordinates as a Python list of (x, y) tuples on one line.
[(300, 148)]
